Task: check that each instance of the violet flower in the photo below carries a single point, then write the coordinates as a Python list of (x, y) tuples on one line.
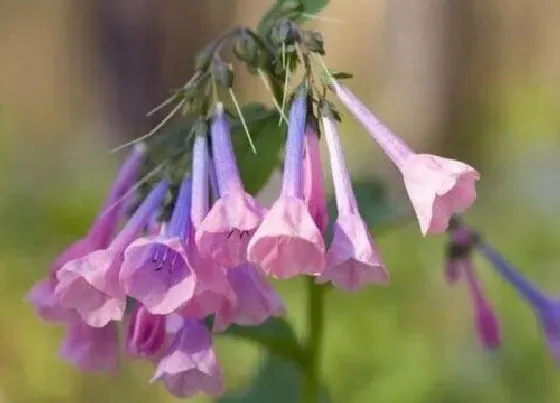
[(90, 285), (437, 187), (146, 333), (352, 259), (288, 242), (486, 321), (41, 295), (156, 270), (225, 231), (547, 309), (256, 300), (91, 348), (190, 365)]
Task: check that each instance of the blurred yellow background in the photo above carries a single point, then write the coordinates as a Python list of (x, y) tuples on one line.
[(475, 80)]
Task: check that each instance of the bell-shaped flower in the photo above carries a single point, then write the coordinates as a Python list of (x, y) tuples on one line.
[(91, 348), (546, 308), (437, 187), (90, 285), (156, 269), (225, 231), (256, 299), (146, 333), (352, 259), (190, 365), (313, 185), (41, 295), (288, 242)]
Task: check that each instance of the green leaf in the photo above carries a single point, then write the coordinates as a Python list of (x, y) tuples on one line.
[(276, 381), (297, 10), (312, 7), (275, 336), (341, 75), (268, 137)]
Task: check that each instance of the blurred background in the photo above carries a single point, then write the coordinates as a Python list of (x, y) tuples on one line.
[(474, 80)]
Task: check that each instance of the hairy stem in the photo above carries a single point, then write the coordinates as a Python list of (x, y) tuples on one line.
[(313, 343)]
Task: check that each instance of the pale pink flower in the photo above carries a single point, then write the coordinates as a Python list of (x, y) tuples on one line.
[(90, 285), (288, 242), (91, 348), (352, 259), (256, 299), (156, 270), (225, 231), (41, 295), (437, 187), (190, 366)]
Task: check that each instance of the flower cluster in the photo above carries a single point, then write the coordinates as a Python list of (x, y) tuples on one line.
[(462, 242), (212, 256)]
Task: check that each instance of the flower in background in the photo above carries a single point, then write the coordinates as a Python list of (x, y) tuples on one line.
[(546, 308), (460, 265)]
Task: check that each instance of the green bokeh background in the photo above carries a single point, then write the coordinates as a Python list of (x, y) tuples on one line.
[(410, 342)]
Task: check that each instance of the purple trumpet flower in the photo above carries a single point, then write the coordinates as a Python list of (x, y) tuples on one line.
[(99, 236), (90, 285), (547, 309), (288, 242), (156, 270), (225, 231)]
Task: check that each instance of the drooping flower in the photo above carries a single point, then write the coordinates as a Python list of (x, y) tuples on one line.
[(156, 269), (225, 231), (352, 259), (437, 187), (486, 321), (459, 250), (41, 295), (146, 333), (313, 186), (212, 287), (90, 285), (547, 309), (256, 299), (91, 348), (288, 242), (190, 366)]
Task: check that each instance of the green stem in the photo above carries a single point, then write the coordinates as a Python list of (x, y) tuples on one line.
[(313, 343)]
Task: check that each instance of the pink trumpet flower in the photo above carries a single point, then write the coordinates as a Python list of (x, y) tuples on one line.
[(437, 187), (352, 259)]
